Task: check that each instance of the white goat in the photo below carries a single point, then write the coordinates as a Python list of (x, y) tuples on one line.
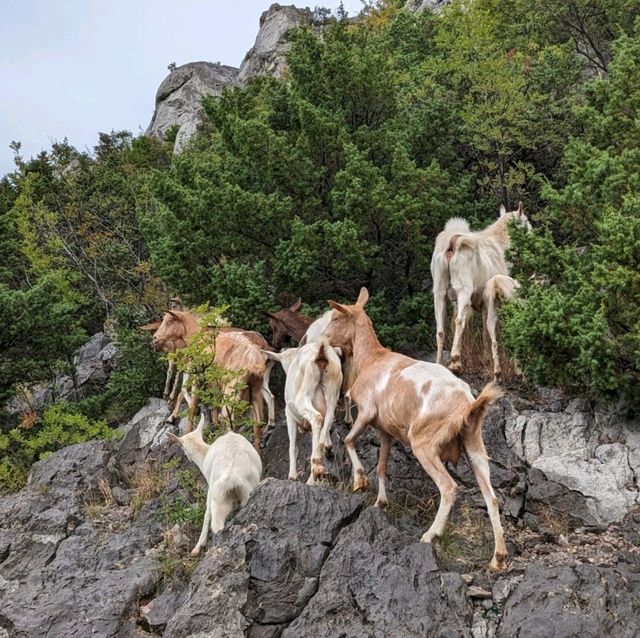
[(497, 288), (462, 263), (313, 335), (232, 468), (314, 378)]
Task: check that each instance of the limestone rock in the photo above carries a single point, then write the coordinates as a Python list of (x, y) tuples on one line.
[(92, 362), (179, 98), (422, 5), (268, 52)]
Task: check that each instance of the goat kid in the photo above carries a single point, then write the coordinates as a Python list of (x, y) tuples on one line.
[(462, 263), (314, 378), (232, 469), (498, 288), (418, 403)]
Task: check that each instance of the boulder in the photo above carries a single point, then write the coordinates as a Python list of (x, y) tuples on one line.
[(423, 5), (179, 98), (584, 460)]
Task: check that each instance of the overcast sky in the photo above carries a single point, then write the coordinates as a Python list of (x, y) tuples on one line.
[(73, 68)]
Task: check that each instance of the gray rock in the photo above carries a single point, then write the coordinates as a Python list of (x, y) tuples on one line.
[(93, 363), (62, 574), (422, 5), (585, 462), (568, 601), (179, 98), (370, 581), (267, 56)]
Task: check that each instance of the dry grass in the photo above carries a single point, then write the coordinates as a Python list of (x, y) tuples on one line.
[(467, 538), (103, 502), (148, 481), (557, 522)]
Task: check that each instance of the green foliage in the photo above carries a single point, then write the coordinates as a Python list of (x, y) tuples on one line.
[(579, 325), (61, 424), (215, 386)]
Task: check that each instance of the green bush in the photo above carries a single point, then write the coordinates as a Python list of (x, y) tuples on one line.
[(578, 324), (61, 424)]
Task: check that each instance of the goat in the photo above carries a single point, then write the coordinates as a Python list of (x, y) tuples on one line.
[(419, 403), (236, 349), (313, 335), (173, 380), (288, 324), (314, 378), (232, 469), (497, 288), (462, 263)]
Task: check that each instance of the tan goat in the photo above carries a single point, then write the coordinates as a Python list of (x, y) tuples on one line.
[(235, 350), (421, 404)]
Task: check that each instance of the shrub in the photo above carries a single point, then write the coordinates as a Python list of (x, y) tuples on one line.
[(61, 424)]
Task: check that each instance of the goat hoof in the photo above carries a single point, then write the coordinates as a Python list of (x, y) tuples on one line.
[(381, 503), (426, 538), (360, 483), (317, 469), (293, 477), (498, 563), (455, 367), (195, 551)]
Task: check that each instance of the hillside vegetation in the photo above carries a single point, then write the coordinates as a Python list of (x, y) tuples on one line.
[(340, 175)]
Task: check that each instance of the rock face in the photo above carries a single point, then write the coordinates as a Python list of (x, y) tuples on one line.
[(591, 458), (179, 98), (268, 53), (87, 548), (422, 5), (92, 363)]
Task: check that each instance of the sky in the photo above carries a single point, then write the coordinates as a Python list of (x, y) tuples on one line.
[(74, 68)]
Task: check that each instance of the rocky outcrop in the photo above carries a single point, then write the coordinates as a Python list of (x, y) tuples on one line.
[(179, 98), (92, 364), (87, 546), (422, 5), (578, 455), (267, 56)]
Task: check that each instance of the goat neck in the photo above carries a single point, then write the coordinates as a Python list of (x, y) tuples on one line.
[(366, 347)]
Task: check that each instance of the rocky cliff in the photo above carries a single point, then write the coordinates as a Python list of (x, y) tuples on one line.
[(179, 97), (98, 542)]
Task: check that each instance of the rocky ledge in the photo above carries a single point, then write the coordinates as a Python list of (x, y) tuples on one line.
[(98, 544)]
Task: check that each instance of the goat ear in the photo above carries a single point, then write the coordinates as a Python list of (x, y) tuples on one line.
[(338, 306), (271, 355), (520, 208), (151, 327), (269, 315), (172, 438), (297, 305), (503, 210), (363, 297), (174, 314), (200, 428)]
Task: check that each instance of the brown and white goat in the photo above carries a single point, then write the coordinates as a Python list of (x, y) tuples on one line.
[(418, 403), (288, 324), (462, 263), (314, 378)]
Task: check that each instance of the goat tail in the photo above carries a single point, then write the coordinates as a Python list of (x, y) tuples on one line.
[(230, 486), (475, 412)]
